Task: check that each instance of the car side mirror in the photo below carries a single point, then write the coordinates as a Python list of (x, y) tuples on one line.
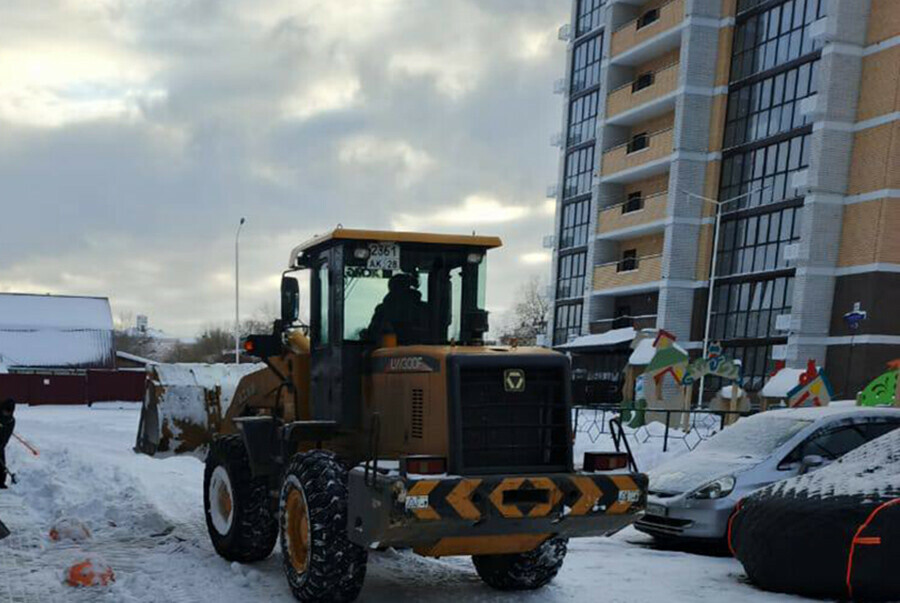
[(810, 462), (290, 300)]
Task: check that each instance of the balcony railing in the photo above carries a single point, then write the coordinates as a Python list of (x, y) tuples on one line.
[(639, 30), (646, 321), (628, 155), (646, 269), (624, 215), (627, 97)]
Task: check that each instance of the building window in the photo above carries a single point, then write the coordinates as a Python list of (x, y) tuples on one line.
[(583, 118), (628, 262), (774, 36), (635, 202), (756, 243), (748, 310), (579, 172), (651, 16), (588, 16), (567, 323), (767, 170), (574, 224), (638, 142), (570, 278), (770, 106), (586, 64), (644, 80)]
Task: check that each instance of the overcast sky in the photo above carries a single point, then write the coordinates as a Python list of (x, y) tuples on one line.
[(135, 134)]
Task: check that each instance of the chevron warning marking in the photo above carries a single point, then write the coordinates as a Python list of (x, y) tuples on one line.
[(590, 494), (460, 498)]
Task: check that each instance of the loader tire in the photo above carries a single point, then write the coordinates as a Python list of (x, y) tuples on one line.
[(522, 571), (320, 562), (239, 514)]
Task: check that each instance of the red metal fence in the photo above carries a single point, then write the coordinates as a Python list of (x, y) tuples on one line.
[(78, 388)]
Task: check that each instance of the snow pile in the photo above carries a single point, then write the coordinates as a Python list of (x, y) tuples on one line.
[(69, 528), (871, 470)]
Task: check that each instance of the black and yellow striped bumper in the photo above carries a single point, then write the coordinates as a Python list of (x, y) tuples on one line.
[(391, 510)]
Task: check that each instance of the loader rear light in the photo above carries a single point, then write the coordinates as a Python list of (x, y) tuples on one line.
[(605, 461), (248, 345), (423, 465)]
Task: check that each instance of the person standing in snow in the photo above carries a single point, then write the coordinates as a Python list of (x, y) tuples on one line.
[(7, 425)]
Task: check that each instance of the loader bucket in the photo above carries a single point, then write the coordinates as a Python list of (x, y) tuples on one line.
[(185, 405)]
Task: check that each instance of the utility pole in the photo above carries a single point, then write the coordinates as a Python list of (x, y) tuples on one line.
[(237, 312), (713, 267)]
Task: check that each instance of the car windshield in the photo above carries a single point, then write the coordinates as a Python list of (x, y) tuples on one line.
[(756, 436)]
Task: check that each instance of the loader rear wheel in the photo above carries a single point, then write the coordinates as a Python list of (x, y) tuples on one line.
[(522, 571), (320, 562), (239, 516)]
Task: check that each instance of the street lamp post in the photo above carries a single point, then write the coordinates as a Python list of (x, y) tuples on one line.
[(237, 314), (713, 266)]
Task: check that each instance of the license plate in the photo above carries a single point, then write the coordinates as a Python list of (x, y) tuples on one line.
[(655, 509), (383, 256)]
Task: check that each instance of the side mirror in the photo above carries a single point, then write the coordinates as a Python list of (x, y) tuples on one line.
[(811, 462), (290, 300)]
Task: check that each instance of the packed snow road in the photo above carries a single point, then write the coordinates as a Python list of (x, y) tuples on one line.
[(146, 519)]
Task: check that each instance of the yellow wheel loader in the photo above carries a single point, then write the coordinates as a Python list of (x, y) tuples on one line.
[(387, 422)]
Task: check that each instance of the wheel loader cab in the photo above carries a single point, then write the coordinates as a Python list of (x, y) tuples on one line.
[(371, 290)]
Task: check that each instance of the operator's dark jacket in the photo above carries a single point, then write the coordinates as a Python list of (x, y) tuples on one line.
[(7, 425)]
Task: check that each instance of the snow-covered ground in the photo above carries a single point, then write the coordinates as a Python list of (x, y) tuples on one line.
[(146, 516)]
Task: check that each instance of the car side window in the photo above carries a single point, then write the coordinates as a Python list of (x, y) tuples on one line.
[(833, 443)]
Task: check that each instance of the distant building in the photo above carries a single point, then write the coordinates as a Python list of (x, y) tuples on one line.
[(60, 349), (784, 114), (56, 332)]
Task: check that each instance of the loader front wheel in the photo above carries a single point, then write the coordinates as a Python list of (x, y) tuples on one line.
[(522, 571), (239, 515), (320, 562)]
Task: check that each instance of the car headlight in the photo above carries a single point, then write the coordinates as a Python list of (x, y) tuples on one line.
[(719, 488)]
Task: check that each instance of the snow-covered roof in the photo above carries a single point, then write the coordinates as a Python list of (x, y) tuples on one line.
[(784, 381), (613, 337), (134, 358), (55, 331), (643, 353)]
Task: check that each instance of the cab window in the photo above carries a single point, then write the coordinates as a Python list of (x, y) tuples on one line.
[(324, 323)]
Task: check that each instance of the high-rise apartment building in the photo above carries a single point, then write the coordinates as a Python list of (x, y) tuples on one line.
[(781, 115)]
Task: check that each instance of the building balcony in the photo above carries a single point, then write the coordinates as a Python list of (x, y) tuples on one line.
[(637, 323), (632, 218), (638, 158), (654, 32), (632, 275), (640, 101)]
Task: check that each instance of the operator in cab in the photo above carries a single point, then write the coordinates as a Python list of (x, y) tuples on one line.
[(401, 312)]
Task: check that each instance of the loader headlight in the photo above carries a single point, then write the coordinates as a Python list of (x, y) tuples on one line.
[(361, 253), (718, 488)]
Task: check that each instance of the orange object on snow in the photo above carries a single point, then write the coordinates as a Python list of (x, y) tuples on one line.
[(90, 572)]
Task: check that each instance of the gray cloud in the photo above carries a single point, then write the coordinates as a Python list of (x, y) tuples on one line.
[(133, 135)]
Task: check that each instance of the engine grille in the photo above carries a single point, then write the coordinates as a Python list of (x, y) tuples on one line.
[(513, 431)]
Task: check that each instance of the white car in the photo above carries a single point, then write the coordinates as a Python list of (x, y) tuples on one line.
[(693, 496)]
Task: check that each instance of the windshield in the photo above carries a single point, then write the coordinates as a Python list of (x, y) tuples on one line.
[(756, 436), (418, 293)]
